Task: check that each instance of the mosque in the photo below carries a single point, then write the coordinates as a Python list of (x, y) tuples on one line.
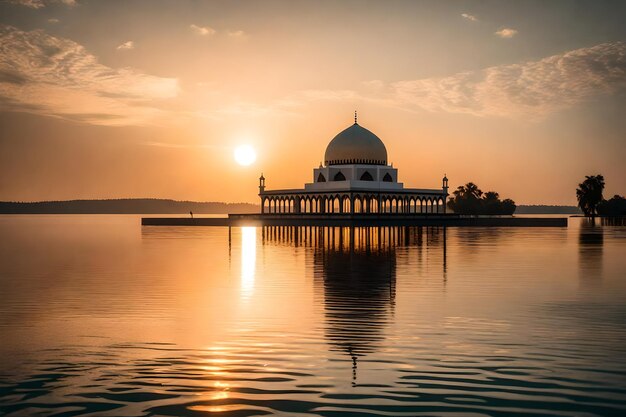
[(354, 179)]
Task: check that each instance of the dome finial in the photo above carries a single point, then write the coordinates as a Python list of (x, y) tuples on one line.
[(355, 117)]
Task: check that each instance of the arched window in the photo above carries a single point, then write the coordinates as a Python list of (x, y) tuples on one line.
[(339, 177), (387, 178), (366, 177), (320, 178)]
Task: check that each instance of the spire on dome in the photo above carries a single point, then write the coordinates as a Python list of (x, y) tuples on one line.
[(355, 117)]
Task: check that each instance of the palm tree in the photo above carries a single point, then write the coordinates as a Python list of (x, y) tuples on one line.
[(469, 199), (589, 194), (491, 202), (491, 196), (466, 199), (472, 190)]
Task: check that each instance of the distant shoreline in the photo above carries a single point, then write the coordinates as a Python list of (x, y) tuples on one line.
[(125, 206), (166, 206), (547, 209)]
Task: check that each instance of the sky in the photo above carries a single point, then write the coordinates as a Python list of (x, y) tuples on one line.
[(117, 99)]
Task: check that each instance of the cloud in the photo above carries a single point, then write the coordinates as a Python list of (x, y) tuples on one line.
[(33, 4), (53, 20), (126, 45), (237, 34), (53, 76), (38, 4), (530, 90), (535, 88), (469, 17), (11, 77), (506, 33), (203, 30)]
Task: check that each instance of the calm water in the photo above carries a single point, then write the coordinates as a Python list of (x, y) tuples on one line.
[(100, 316)]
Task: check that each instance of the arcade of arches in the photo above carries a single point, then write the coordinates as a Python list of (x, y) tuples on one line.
[(337, 203)]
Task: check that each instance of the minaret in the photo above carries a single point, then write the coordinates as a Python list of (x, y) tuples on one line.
[(261, 184), (444, 187)]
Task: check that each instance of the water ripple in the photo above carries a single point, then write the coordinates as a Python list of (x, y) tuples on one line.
[(410, 322)]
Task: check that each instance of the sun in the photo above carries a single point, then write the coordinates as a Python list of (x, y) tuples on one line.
[(245, 155)]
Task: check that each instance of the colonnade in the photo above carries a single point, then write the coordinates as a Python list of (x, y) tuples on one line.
[(352, 203)]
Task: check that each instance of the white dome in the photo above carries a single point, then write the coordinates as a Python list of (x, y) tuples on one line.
[(356, 145)]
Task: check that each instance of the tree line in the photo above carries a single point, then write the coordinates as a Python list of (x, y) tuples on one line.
[(592, 202), (469, 199)]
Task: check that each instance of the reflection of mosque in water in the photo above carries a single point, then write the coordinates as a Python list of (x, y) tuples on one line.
[(354, 271)]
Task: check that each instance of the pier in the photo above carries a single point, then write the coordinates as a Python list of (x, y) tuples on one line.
[(357, 220)]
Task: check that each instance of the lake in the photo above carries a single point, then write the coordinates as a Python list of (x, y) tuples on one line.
[(101, 316)]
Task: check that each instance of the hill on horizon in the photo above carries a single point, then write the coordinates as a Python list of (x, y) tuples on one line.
[(125, 206), (547, 209)]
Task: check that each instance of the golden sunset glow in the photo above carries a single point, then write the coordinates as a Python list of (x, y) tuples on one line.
[(152, 102), (312, 208), (245, 155), (248, 261)]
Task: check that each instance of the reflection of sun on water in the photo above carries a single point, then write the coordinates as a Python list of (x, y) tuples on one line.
[(220, 393), (248, 261), (216, 367)]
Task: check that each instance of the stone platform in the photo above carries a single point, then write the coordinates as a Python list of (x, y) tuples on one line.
[(357, 220)]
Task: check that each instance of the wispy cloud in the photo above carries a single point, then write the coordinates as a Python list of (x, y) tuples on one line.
[(54, 76), (53, 20), (506, 33), (202, 30), (469, 17), (532, 90), (126, 45), (33, 4), (237, 34), (38, 4)]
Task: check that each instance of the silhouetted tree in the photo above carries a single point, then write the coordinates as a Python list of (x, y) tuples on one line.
[(491, 202), (472, 189), (616, 206), (491, 196), (466, 199), (469, 199), (589, 194), (508, 206)]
